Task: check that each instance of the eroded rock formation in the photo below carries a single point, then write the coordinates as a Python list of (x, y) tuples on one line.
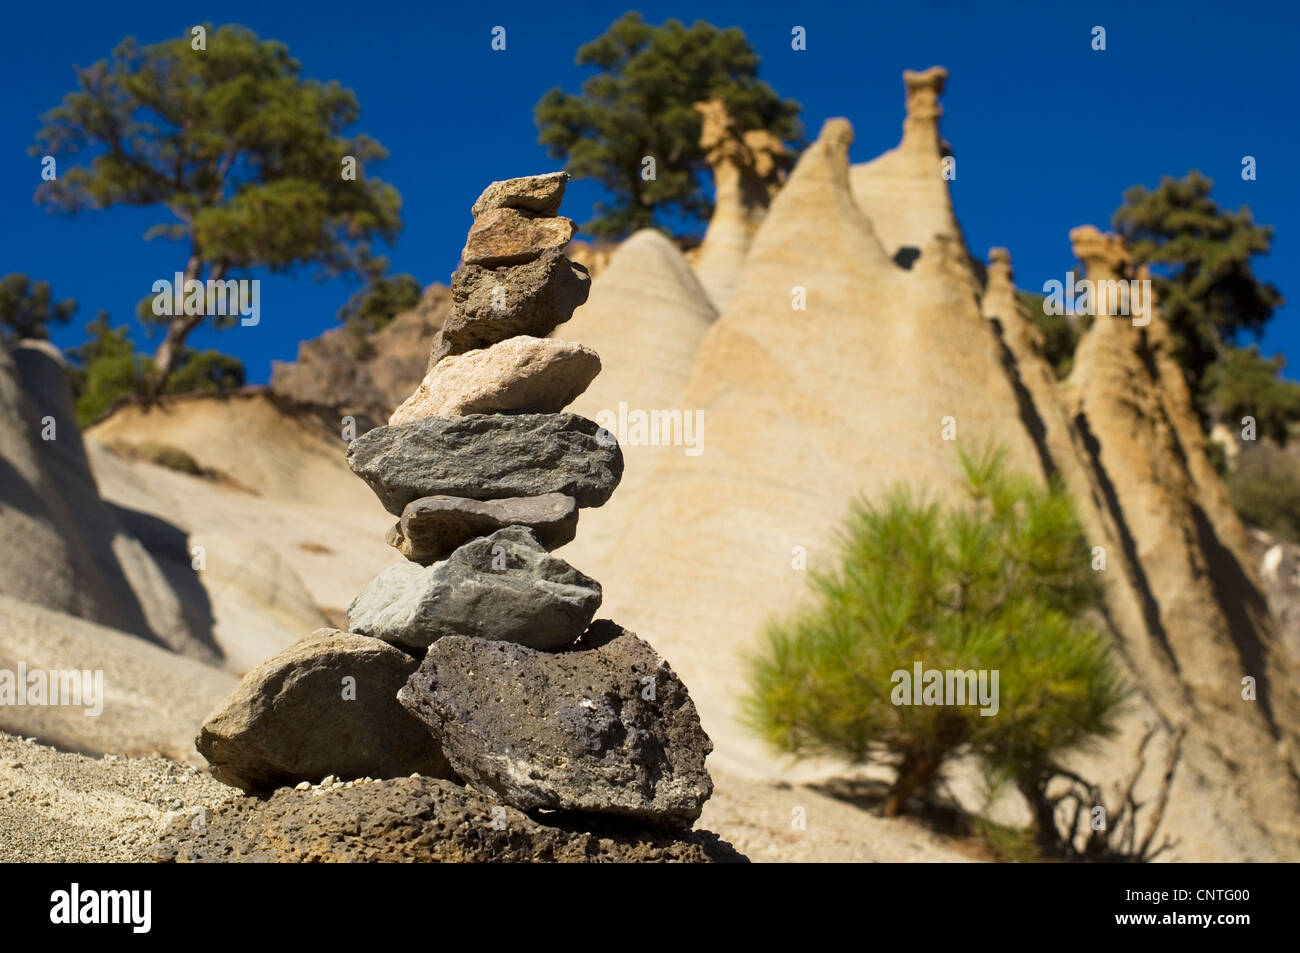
[(749, 167)]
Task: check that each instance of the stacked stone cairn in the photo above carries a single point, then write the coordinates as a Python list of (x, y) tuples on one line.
[(476, 660)]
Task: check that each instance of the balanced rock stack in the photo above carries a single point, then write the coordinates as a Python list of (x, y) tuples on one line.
[(476, 660)]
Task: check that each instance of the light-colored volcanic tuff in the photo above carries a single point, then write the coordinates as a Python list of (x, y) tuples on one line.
[(804, 409)]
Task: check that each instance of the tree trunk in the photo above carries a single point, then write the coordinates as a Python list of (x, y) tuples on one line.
[(1046, 836), (164, 359), (914, 774), (173, 342)]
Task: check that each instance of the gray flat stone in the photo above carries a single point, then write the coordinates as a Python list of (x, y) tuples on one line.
[(503, 587), (488, 457), (433, 527)]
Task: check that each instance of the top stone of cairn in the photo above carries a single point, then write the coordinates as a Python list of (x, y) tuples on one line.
[(539, 194)]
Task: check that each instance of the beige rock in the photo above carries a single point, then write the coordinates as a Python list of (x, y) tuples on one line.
[(903, 191), (539, 194), (505, 236), (153, 699), (319, 519), (269, 449), (646, 316), (803, 411), (528, 374), (77, 554), (749, 166), (1203, 624)]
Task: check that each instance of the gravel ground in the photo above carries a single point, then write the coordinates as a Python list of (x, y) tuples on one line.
[(59, 806)]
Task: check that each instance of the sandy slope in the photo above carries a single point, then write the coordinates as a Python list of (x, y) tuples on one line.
[(153, 700), (333, 542)]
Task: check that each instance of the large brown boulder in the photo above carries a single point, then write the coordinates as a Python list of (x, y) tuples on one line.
[(325, 706)]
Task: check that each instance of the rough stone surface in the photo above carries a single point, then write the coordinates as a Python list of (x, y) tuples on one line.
[(487, 457), (539, 194), (433, 527), (503, 587), (605, 727), (492, 304), (507, 236), (519, 374), (289, 721), (415, 820), (365, 379)]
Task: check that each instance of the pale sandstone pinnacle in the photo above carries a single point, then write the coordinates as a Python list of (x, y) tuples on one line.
[(714, 533), (837, 133), (646, 317), (1204, 616), (539, 194), (904, 193), (924, 87), (507, 236), (519, 374), (748, 168), (1104, 254)]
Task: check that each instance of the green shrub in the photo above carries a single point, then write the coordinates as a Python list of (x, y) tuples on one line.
[(1002, 583), (106, 369), (1265, 488), (1060, 337)]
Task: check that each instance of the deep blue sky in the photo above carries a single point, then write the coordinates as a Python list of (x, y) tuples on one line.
[(1048, 133)]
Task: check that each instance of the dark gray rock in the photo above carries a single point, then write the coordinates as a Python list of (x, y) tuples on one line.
[(433, 527), (295, 718), (502, 587), (603, 727), (488, 457), (415, 820), (492, 304)]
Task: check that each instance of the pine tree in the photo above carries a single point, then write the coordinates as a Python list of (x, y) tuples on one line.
[(640, 105), (245, 157), (106, 371), (1002, 582), (1201, 273), (28, 308)]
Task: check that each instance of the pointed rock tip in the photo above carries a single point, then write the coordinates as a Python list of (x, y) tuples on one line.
[(1000, 263), (837, 132)]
